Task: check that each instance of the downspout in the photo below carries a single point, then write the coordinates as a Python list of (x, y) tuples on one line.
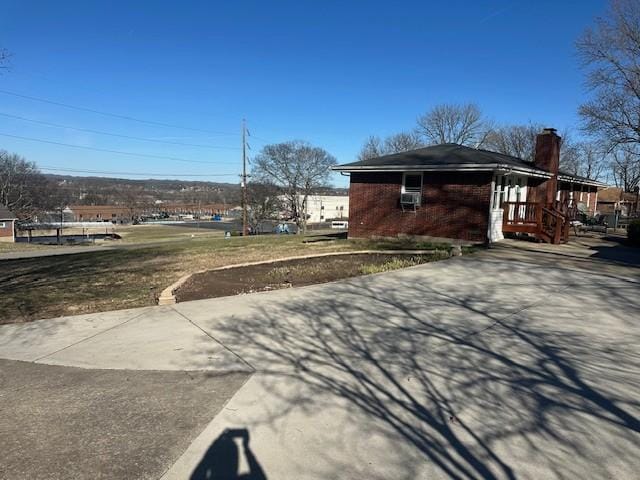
[(489, 219)]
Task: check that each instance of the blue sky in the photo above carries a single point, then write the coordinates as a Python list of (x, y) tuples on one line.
[(329, 72)]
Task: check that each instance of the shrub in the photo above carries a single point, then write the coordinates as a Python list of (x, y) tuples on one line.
[(633, 233)]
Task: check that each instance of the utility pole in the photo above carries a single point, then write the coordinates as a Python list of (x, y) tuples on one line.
[(244, 178)]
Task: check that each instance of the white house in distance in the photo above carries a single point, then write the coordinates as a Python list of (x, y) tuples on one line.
[(324, 208)]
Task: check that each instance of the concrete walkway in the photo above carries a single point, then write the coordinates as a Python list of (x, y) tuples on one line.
[(506, 364)]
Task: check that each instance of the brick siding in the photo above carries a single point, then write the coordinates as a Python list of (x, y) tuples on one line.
[(454, 205), (6, 233)]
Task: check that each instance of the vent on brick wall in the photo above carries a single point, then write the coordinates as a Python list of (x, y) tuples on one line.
[(409, 200)]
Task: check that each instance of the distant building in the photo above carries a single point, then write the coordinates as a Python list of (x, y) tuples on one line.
[(125, 214), (615, 199), (7, 225), (324, 208)]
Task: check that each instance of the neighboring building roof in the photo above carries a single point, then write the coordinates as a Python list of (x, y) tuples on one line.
[(610, 195), (452, 157), (5, 214)]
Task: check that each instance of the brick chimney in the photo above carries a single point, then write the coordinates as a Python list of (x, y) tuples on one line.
[(548, 159)]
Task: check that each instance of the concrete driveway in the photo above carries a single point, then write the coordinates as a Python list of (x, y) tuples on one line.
[(506, 364)]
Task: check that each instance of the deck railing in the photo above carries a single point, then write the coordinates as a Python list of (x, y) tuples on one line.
[(519, 212), (548, 224)]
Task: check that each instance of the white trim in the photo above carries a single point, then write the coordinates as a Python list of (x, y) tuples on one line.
[(586, 181), (489, 217), (469, 167)]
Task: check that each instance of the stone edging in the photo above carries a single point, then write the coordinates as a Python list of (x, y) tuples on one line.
[(167, 296)]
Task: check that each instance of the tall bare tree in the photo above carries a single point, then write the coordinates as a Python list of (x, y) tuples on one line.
[(610, 52), (463, 124), (298, 168), (264, 202), (515, 140), (399, 142), (402, 142), (21, 185), (625, 168), (586, 158), (373, 147)]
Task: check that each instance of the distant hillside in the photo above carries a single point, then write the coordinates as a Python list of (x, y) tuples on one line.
[(124, 191)]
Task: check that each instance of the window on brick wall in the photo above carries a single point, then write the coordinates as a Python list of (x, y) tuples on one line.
[(3, 225), (410, 194), (412, 183)]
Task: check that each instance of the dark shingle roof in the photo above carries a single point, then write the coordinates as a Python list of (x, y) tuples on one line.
[(447, 154), (451, 156), (5, 214)]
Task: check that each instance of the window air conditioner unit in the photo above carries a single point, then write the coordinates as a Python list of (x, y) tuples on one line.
[(411, 198)]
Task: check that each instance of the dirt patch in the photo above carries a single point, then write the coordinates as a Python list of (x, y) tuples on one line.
[(294, 273)]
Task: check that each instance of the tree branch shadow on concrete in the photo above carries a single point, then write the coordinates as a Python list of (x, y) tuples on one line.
[(222, 460), (456, 377)]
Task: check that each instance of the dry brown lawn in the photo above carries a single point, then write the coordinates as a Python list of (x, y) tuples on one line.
[(46, 287)]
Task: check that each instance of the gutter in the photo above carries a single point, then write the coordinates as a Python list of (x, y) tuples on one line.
[(469, 167), (593, 183)]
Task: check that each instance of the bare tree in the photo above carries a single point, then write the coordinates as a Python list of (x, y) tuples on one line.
[(264, 202), (399, 142), (625, 167), (298, 169), (515, 140), (610, 52), (402, 142), (21, 185), (134, 198), (373, 147), (587, 159), (454, 123)]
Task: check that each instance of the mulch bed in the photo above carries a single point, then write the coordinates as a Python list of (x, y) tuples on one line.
[(285, 274)]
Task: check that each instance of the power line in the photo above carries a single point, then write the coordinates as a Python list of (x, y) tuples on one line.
[(115, 115), (99, 132), (120, 152), (71, 170)]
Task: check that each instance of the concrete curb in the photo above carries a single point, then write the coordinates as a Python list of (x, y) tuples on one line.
[(167, 296)]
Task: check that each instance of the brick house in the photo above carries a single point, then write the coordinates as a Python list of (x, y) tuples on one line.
[(7, 225), (615, 199), (453, 191)]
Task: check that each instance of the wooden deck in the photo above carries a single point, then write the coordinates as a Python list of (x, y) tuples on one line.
[(548, 224)]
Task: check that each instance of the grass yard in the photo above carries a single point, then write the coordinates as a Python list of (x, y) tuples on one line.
[(8, 247), (45, 287), (156, 233)]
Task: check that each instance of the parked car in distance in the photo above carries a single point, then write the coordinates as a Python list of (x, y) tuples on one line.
[(340, 224)]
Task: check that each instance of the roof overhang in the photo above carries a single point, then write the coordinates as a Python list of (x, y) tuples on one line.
[(581, 181), (467, 167)]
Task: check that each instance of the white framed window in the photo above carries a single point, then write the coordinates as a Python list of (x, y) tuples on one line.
[(3, 225), (412, 183), (411, 191), (500, 191)]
